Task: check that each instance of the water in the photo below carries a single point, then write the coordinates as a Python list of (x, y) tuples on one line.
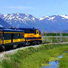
[(65, 51), (60, 56), (53, 64)]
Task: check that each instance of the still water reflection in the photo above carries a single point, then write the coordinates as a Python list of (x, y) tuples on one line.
[(53, 64)]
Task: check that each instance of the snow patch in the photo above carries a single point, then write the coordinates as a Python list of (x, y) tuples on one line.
[(5, 15), (33, 18), (44, 18), (64, 16), (18, 14), (48, 18), (51, 18), (27, 15)]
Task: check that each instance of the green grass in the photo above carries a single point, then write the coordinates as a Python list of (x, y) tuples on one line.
[(38, 59), (54, 39), (35, 60), (33, 57), (64, 61)]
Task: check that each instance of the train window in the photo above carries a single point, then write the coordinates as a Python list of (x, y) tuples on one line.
[(7, 36), (21, 36), (29, 31), (1, 35), (37, 32), (15, 36), (32, 31), (40, 33), (18, 34)]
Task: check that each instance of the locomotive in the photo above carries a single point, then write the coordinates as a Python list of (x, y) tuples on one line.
[(12, 38), (32, 36)]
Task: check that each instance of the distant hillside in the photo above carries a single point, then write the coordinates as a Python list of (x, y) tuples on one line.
[(4, 24), (55, 23)]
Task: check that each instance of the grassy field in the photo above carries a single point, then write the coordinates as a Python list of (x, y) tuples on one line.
[(64, 61), (47, 39), (35, 57)]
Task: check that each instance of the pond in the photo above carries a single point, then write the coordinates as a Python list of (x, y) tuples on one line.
[(53, 64)]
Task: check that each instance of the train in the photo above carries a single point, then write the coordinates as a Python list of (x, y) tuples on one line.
[(17, 37)]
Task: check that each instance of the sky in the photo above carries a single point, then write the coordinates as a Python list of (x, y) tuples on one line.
[(37, 8)]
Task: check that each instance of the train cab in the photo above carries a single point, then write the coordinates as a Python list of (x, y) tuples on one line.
[(32, 35)]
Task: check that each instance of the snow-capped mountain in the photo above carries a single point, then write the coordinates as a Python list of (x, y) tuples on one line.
[(54, 23), (54, 18), (19, 19)]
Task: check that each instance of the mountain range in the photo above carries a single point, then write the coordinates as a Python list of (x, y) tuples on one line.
[(54, 23)]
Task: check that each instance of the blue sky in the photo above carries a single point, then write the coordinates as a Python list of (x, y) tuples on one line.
[(37, 8)]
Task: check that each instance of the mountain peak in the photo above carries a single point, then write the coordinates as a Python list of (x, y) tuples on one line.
[(19, 17)]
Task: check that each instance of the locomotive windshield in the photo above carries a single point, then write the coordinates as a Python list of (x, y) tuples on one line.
[(29, 31)]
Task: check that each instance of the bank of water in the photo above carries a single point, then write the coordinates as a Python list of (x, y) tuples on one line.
[(55, 63)]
